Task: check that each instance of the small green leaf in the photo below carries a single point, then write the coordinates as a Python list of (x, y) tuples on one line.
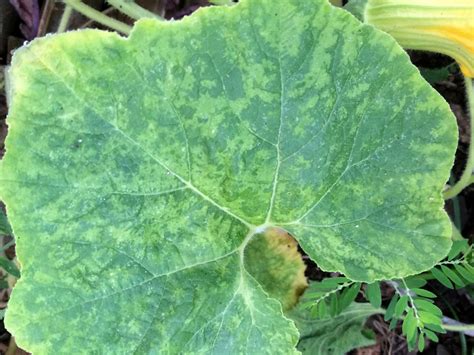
[(307, 303), (441, 277), (410, 325), (430, 318), (421, 342), (412, 343), (373, 294), (311, 297), (452, 276), (338, 335), (464, 272), (5, 228), (459, 246), (429, 300), (393, 323), (334, 282), (328, 284), (415, 282), (349, 295), (435, 327), (333, 305), (423, 293), (469, 268), (9, 267), (427, 306), (401, 306), (322, 309), (431, 335), (391, 308)]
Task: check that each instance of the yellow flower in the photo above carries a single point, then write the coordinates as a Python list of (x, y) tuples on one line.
[(443, 26)]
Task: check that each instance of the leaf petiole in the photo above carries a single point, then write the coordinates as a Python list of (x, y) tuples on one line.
[(7, 245), (448, 327), (98, 17), (458, 328), (466, 178), (132, 9), (65, 19)]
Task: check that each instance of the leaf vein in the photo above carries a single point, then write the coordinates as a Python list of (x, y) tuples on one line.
[(135, 143)]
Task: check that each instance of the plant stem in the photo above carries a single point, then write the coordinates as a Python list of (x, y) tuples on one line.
[(466, 178), (457, 220), (337, 289), (90, 22), (64, 19), (462, 336), (453, 262), (11, 347), (8, 245), (447, 327), (222, 2), (98, 17), (131, 9), (412, 303), (459, 328)]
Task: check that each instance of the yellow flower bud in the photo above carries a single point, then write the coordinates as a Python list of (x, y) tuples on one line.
[(443, 26)]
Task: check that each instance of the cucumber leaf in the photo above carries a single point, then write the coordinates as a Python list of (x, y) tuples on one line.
[(139, 171)]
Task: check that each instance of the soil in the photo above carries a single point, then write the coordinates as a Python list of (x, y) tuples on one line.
[(456, 304)]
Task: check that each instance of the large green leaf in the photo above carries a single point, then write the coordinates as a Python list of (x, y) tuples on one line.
[(138, 170), (334, 336)]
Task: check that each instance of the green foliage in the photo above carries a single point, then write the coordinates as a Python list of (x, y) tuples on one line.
[(374, 295), (329, 297), (457, 270), (466, 271), (5, 228), (441, 277), (415, 308), (334, 335), (389, 313), (10, 271), (10, 267), (458, 247), (422, 318), (151, 165), (434, 76), (412, 305)]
